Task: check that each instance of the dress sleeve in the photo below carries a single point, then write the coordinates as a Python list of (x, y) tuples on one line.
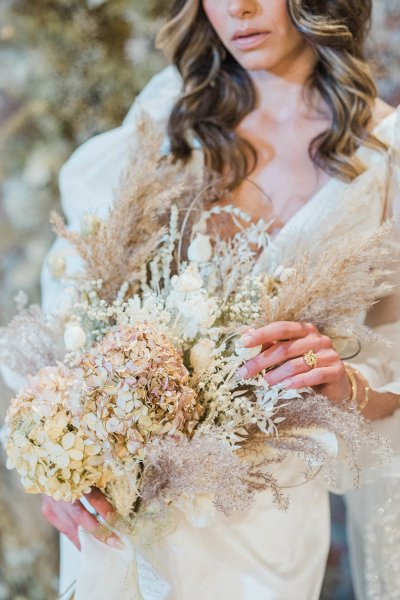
[(89, 178), (378, 363), (381, 365), (87, 182)]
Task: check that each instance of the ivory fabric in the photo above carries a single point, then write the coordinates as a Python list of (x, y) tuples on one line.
[(264, 553)]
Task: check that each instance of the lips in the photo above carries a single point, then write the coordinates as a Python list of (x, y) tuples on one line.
[(247, 39), (246, 33)]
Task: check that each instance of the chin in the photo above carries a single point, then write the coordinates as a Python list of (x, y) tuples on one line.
[(257, 61)]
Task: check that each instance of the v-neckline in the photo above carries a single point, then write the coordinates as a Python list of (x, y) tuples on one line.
[(306, 206)]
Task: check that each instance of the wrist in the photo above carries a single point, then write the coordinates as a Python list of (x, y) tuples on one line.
[(359, 396)]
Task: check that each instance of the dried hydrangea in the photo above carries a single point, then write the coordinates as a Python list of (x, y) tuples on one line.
[(136, 387), (45, 441), (151, 379)]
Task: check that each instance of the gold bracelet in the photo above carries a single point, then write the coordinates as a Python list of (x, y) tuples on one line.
[(352, 373), (354, 388), (361, 405)]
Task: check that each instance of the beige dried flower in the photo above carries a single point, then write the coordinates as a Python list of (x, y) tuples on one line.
[(45, 442), (136, 387)]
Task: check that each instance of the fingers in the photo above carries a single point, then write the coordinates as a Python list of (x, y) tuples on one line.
[(315, 377), (66, 518), (61, 520), (297, 366), (81, 516), (102, 506), (279, 330), (100, 503), (280, 352)]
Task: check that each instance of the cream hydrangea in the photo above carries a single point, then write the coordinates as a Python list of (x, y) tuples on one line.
[(45, 442)]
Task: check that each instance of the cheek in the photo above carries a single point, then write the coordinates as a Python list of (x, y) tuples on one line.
[(217, 15), (287, 39), (280, 17)]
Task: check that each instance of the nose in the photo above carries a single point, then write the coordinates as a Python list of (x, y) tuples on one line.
[(242, 8)]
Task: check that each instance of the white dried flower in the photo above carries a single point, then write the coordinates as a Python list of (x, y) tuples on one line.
[(200, 354), (89, 225), (278, 272), (287, 274), (248, 353), (74, 337), (282, 273), (199, 510), (189, 281), (56, 264), (200, 250), (198, 312)]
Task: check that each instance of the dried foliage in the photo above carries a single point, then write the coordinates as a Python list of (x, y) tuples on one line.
[(302, 417), (31, 341), (332, 286), (204, 465), (316, 411), (119, 248)]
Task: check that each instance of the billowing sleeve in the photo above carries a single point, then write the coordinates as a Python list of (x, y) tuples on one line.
[(89, 178), (87, 182), (372, 510), (378, 363)]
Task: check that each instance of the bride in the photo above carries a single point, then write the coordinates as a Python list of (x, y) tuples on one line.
[(277, 97)]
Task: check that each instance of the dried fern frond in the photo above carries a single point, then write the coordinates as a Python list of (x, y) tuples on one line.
[(259, 479)]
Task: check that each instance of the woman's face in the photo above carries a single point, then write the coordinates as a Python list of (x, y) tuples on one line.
[(258, 33)]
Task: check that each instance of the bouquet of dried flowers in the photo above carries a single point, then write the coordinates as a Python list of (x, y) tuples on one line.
[(142, 400)]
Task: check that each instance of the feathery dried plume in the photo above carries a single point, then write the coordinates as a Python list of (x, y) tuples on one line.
[(333, 286), (260, 480), (260, 452), (203, 465), (316, 411), (31, 341), (118, 248), (123, 492)]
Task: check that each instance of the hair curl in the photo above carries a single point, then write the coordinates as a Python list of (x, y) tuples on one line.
[(216, 99)]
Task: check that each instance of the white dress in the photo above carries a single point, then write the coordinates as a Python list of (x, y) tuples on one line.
[(264, 553)]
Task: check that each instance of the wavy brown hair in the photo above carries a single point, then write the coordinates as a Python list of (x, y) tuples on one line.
[(218, 92)]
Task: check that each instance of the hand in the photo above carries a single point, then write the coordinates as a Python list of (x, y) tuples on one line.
[(67, 517), (284, 345)]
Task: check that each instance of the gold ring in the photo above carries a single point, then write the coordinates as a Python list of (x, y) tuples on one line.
[(311, 360)]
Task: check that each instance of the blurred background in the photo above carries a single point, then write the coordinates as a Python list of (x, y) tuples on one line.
[(70, 69)]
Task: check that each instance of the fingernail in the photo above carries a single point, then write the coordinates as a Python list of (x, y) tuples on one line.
[(243, 341), (241, 374), (243, 329), (286, 383), (114, 542)]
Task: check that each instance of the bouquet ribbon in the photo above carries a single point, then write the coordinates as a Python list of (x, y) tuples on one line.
[(106, 572)]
